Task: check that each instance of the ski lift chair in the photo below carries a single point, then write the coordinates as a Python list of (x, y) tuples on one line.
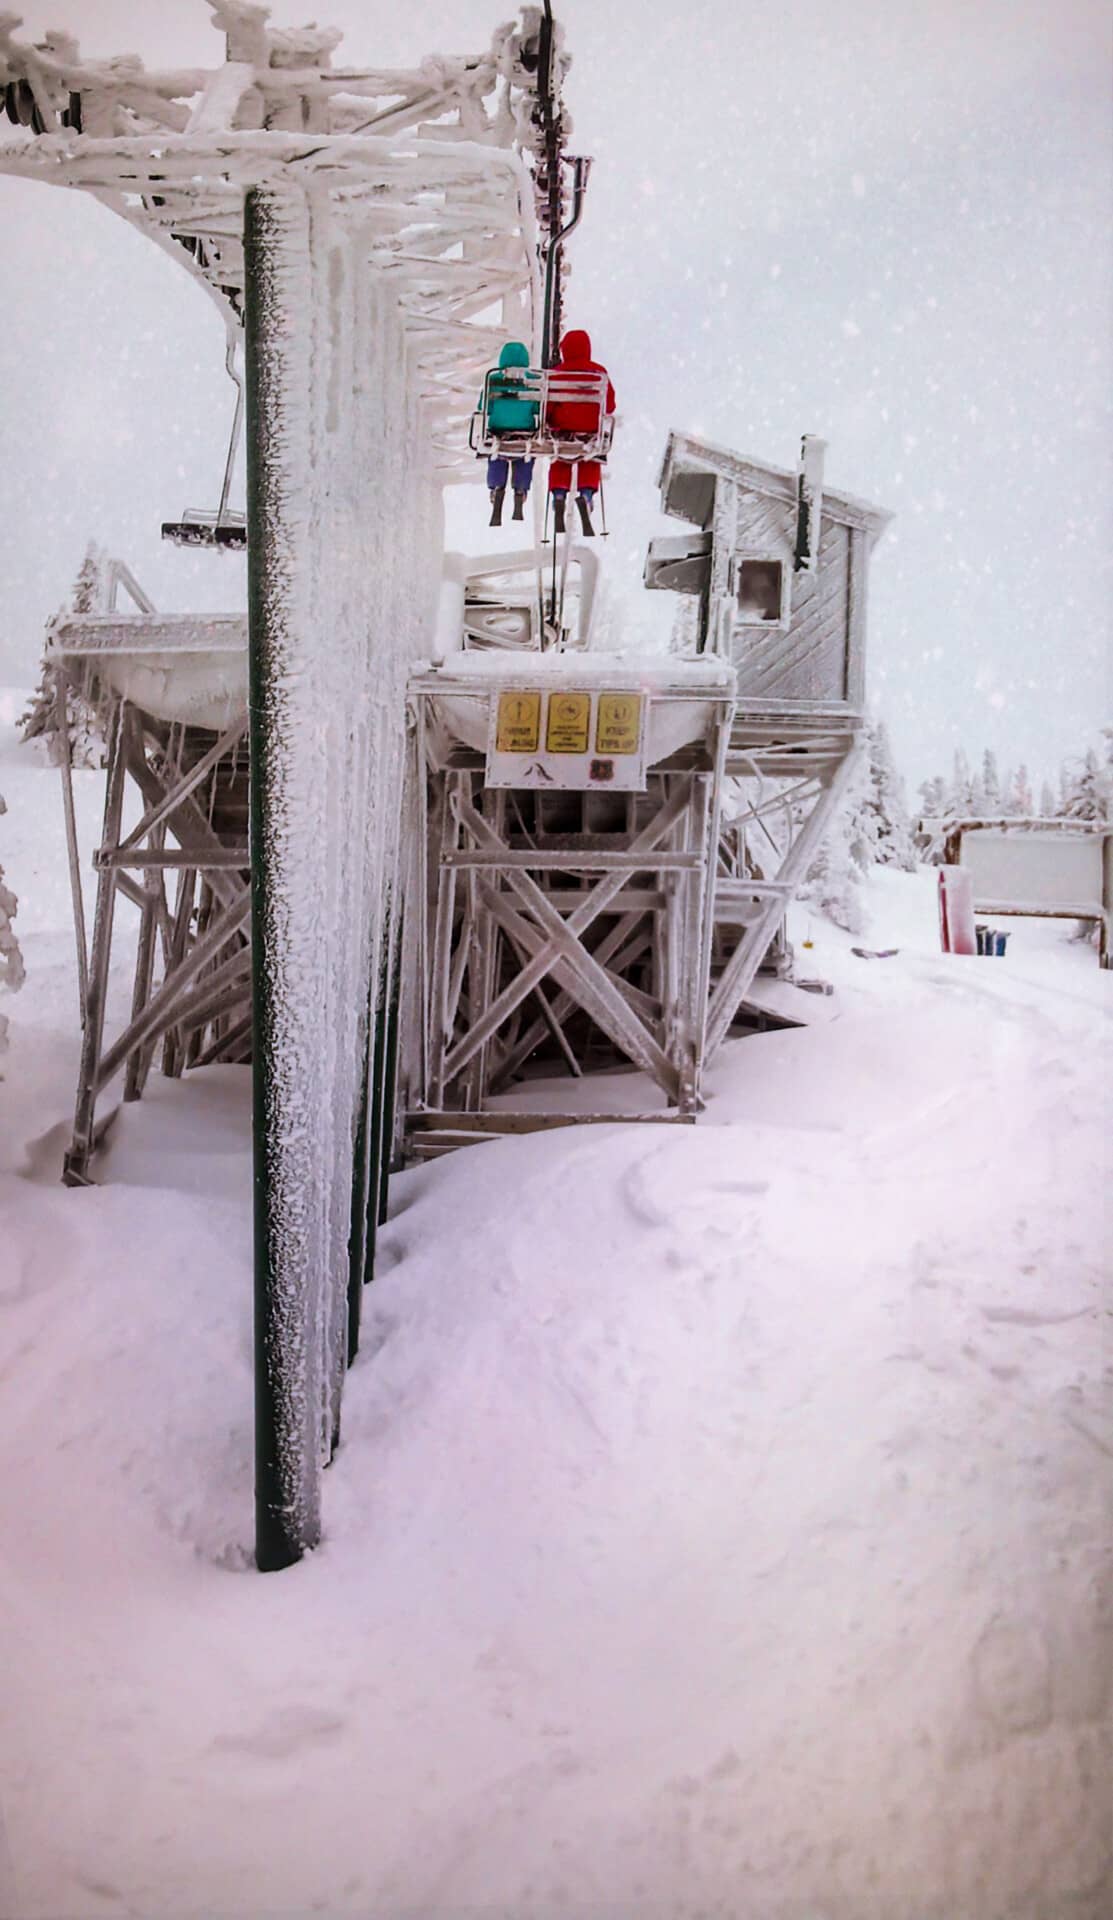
[(224, 528), (576, 394), (544, 386)]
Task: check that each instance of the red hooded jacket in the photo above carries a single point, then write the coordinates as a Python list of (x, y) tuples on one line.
[(576, 416)]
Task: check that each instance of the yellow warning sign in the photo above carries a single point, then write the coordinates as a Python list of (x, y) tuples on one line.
[(569, 722), (618, 723), (518, 727)]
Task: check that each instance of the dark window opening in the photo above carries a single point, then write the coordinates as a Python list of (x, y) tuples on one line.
[(759, 591)]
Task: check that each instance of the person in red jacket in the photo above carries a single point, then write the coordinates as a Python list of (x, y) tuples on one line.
[(574, 418)]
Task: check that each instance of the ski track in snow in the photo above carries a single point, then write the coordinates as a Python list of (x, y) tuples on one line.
[(721, 1521)]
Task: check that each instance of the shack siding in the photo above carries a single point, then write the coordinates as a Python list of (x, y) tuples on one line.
[(808, 661), (765, 526)]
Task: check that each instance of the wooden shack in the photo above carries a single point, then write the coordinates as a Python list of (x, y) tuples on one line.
[(780, 564)]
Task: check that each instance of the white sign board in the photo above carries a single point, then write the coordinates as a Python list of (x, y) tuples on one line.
[(1038, 871)]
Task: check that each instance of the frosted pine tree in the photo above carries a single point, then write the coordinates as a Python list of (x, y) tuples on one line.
[(933, 808), (1047, 801), (1019, 799), (84, 745), (834, 882), (1087, 784), (11, 959), (991, 784), (933, 796), (885, 803), (960, 794)]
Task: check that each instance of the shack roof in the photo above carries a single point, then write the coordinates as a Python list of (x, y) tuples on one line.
[(688, 462)]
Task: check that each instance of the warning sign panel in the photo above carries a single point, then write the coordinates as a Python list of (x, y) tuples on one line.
[(569, 723), (618, 723), (518, 728), (554, 737)]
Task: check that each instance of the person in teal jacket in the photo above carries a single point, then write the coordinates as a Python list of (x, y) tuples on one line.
[(509, 410)]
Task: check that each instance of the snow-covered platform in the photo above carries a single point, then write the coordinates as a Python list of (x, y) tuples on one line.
[(185, 669)]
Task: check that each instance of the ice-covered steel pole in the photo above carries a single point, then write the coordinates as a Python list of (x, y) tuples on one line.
[(288, 1383)]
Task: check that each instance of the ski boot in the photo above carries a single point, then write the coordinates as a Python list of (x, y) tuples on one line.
[(519, 512), (558, 512), (583, 502), (498, 495)]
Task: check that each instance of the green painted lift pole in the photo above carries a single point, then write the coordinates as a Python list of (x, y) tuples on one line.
[(375, 1125), (361, 1244), (288, 1357), (390, 1070)]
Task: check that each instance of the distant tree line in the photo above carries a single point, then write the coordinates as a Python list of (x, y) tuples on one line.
[(873, 827), (1084, 792)]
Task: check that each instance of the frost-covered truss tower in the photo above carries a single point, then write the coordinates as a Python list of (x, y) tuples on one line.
[(167, 694), (375, 236), (568, 820)]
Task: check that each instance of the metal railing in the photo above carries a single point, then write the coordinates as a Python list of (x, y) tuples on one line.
[(543, 389)]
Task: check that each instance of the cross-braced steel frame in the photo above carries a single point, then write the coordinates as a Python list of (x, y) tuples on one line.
[(546, 941), (558, 925), (786, 774), (184, 866)]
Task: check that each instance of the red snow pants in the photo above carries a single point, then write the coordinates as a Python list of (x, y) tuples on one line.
[(587, 476)]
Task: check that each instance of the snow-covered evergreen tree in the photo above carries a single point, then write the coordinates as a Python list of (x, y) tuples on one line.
[(1047, 801), (11, 959), (1087, 784), (933, 797), (40, 722), (884, 804), (1018, 799), (933, 808), (979, 807), (85, 745), (834, 881), (960, 794), (990, 784)]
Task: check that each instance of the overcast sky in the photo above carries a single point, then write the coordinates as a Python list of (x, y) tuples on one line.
[(888, 224)]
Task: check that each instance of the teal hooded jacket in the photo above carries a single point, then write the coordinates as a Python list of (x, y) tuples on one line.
[(507, 411)]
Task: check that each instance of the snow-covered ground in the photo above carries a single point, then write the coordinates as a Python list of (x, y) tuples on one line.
[(721, 1521)]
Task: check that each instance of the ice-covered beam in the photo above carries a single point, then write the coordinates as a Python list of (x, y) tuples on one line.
[(415, 207)]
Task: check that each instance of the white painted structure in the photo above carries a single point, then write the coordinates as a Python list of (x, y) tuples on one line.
[(1044, 868)]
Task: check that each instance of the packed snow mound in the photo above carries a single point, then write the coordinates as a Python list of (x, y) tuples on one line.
[(780, 1489), (719, 1517)]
